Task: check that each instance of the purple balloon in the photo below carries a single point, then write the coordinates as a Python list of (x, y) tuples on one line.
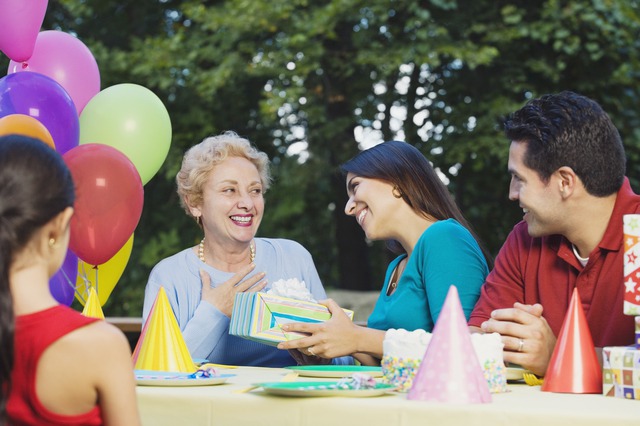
[(42, 98), (63, 283)]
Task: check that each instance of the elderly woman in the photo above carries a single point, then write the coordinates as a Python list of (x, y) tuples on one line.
[(221, 185)]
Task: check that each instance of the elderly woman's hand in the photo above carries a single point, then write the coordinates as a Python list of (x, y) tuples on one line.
[(222, 296)]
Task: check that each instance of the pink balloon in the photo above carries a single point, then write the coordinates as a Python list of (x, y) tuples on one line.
[(68, 61), (20, 21)]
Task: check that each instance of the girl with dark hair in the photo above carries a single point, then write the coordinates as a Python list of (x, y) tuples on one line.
[(56, 366), (396, 195)]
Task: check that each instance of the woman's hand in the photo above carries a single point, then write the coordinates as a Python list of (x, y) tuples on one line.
[(335, 337), (222, 296)]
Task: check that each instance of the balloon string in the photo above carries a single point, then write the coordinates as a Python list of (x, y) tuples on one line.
[(86, 282), (96, 268), (71, 284)]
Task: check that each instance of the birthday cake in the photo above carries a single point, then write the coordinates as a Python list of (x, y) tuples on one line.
[(403, 352), (488, 349)]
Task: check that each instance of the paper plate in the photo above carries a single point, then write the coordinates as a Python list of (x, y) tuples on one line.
[(311, 389), (335, 371), (515, 373), (163, 378)]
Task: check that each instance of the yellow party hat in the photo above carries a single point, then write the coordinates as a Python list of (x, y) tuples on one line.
[(92, 306), (161, 346)]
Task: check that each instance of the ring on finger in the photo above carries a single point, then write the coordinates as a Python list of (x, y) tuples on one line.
[(520, 344), (310, 351)]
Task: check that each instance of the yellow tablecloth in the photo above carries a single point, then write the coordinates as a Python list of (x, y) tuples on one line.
[(223, 405)]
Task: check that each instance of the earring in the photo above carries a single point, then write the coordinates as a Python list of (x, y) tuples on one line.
[(396, 192), (199, 220), (52, 242)]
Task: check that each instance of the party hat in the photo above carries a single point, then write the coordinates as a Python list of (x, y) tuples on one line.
[(92, 306), (450, 371), (161, 346), (574, 366)]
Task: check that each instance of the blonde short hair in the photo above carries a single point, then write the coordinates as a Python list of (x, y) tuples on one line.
[(202, 158)]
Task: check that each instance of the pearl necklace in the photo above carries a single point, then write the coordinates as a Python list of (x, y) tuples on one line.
[(252, 251)]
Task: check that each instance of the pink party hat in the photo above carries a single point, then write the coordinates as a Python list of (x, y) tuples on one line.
[(450, 371), (574, 365), (161, 346)]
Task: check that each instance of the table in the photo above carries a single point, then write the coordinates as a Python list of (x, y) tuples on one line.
[(223, 405)]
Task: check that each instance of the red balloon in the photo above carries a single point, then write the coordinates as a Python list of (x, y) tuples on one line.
[(109, 198)]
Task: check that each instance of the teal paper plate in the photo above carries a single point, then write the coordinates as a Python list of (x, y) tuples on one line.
[(309, 389), (335, 371)]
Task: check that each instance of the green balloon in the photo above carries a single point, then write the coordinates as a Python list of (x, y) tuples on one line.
[(132, 119)]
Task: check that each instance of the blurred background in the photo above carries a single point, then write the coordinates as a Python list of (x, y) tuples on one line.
[(313, 82)]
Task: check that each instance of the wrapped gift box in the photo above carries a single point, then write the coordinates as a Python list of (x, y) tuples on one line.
[(631, 229), (259, 316), (621, 372)]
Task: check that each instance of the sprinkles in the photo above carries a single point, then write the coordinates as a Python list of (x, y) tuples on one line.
[(496, 375), (399, 371)]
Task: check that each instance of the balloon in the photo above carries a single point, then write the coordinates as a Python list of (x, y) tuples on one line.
[(108, 275), (132, 119), (20, 22), (108, 205), (21, 124), (62, 283), (68, 61), (40, 97)]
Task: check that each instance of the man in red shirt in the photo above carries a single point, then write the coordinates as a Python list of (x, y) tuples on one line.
[(567, 166)]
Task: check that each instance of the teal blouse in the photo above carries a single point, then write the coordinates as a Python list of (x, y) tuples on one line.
[(446, 254)]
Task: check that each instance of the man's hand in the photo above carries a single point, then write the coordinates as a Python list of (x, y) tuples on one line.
[(528, 339)]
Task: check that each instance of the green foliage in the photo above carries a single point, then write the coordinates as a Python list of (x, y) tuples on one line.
[(299, 77)]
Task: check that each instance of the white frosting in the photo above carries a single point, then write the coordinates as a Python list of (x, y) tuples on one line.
[(405, 344), (488, 347), (413, 344), (291, 288)]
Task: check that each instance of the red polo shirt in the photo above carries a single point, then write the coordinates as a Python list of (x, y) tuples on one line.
[(545, 270)]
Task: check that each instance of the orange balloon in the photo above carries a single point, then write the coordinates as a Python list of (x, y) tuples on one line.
[(26, 125)]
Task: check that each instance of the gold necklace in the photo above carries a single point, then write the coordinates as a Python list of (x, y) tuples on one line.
[(252, 251), (395, 277)]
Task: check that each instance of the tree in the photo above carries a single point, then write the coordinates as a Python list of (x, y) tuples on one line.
[(302, 78)]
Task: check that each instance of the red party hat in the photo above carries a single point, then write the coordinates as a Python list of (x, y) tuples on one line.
[(574, 366), (450, 371)]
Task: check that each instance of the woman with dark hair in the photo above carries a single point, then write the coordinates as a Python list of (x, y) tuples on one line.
[(56, 366), (396, 195)]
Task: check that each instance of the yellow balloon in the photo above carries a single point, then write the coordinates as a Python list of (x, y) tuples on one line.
[(103, 277)]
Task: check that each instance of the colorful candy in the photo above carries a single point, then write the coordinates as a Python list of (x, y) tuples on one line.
[(400, 371)]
